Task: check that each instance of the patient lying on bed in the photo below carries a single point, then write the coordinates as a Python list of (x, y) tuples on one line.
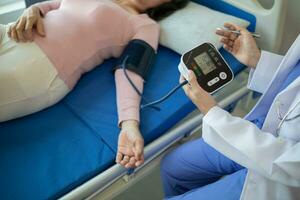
[(68, 38)]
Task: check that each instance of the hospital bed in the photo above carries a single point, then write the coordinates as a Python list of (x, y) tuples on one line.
[(67, 151)]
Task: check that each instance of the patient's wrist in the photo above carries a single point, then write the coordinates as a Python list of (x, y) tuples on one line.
[(130, 123), (254, 59)]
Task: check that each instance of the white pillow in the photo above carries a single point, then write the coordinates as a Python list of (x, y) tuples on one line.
[(192, 26)]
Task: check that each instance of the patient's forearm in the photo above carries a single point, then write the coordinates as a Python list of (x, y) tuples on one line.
[(128, 101), (47, 6)]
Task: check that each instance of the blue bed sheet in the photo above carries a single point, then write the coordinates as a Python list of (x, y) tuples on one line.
[(49, 153), (45, 155)]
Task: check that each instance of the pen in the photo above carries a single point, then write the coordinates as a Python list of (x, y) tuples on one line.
[(238, 32)]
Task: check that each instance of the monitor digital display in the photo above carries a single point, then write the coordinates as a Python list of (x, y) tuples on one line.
[(205, 63)]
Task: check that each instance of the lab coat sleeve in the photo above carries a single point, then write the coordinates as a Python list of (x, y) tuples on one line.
[(47, 6), (261, 77), (240, 140)]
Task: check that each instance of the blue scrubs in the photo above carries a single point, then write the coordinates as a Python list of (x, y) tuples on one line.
[(194, 171)]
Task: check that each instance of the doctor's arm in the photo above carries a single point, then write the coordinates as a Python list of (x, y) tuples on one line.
[(263, 65), (240, 140), (31, 19), (273, 157)]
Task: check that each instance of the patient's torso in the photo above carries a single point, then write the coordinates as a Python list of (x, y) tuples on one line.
[(82, 33)]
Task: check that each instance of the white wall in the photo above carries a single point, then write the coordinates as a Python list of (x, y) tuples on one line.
[(292, 25), (292, 22), (10, 12)]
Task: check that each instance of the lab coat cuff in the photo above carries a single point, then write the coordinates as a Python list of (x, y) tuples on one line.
[(260, 77), (213, 114)]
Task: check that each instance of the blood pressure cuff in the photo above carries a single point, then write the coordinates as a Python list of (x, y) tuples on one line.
[(140, 56)]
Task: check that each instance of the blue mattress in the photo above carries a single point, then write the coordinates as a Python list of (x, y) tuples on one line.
[(49, 153)]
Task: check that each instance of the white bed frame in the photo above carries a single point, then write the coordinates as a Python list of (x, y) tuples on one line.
[(269, 22), (107, 184)]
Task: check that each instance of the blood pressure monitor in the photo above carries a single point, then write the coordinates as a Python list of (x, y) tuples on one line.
[(209, 66)]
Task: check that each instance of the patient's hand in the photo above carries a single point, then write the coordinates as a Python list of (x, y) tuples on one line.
[(243, 47), (131, 145), (22, 29)]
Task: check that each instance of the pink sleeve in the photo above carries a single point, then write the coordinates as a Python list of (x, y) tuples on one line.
[(47, 6), (149, 33), (128, 101)]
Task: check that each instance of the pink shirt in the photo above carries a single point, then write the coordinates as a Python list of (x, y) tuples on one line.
[(81, 34)]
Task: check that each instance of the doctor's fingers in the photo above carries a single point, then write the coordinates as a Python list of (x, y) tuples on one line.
[(236, 27), (181, 79), (186, 87), (228, 48), (193, 80), (227, 34), (227, 41), (231, 26)]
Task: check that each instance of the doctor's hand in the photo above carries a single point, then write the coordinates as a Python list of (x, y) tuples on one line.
[(243, 47), (22, 29), (202, 99), (130, 145)]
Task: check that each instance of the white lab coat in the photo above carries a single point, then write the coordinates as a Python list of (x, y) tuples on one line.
[(273, 159)]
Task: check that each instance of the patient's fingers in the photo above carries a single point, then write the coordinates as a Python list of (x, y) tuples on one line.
[(9, 31), (14, 34), (138, 149), (140, 162), (20, 29), (119, 157), (28, 29), (125, 160), (40, 27), (131, 163)]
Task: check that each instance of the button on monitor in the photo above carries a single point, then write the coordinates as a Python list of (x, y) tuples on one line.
[(223, 75), (213, 81)]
